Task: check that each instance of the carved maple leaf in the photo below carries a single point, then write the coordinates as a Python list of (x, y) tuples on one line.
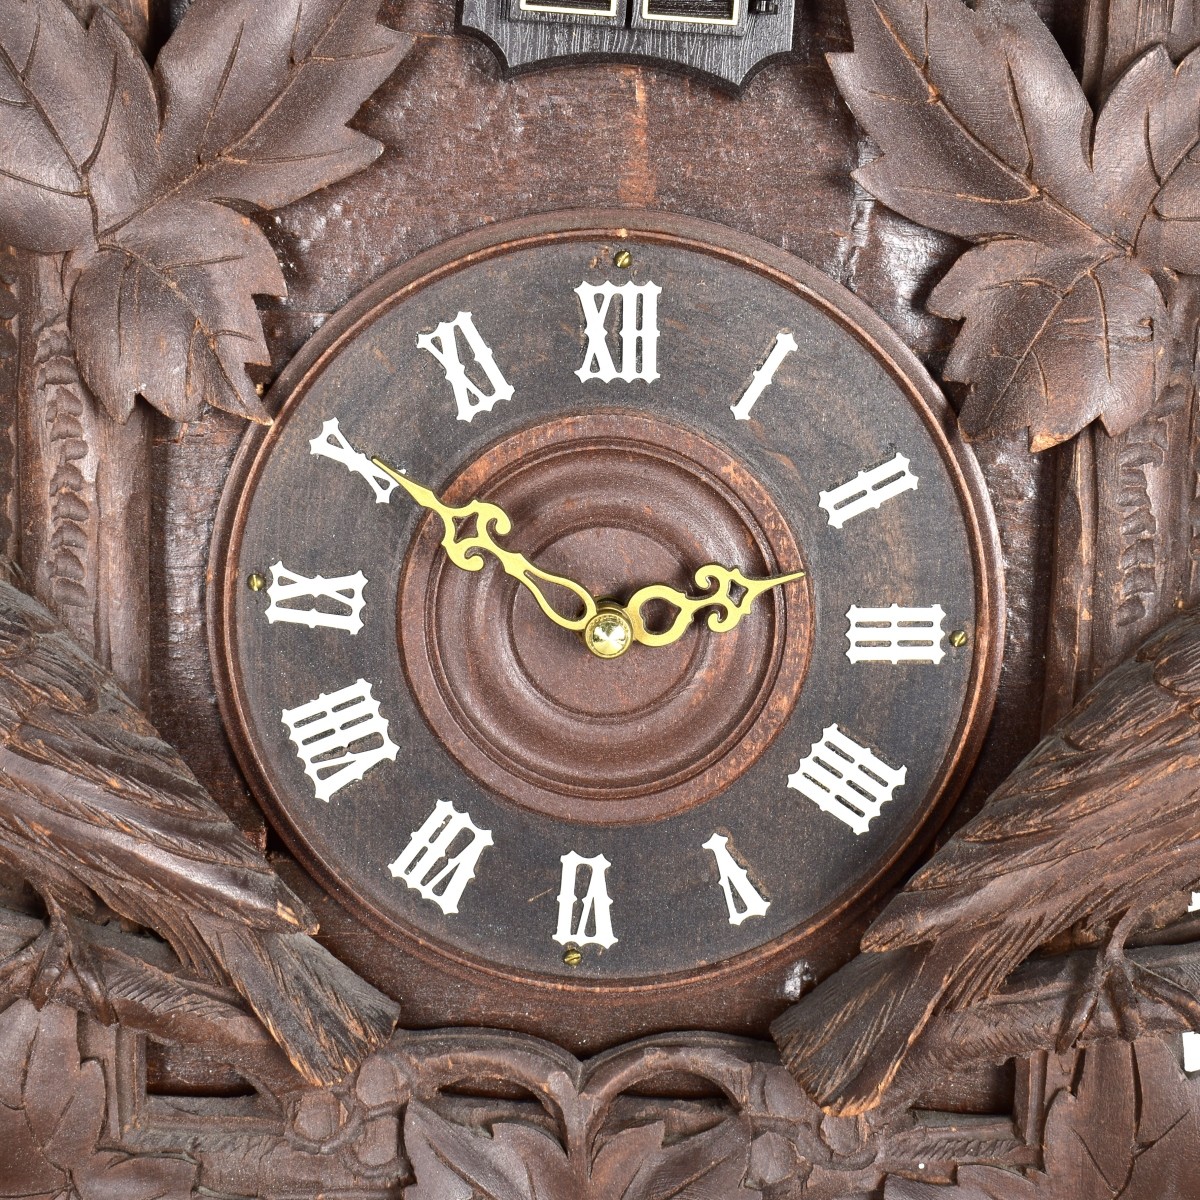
[(1081, 223), (133, 173)]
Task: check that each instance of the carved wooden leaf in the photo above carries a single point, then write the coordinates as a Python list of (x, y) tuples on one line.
[(1129, 1129), (248, 103), (50, 123), (987, 135), (52, 1111), (165, 286), (451, 1162)]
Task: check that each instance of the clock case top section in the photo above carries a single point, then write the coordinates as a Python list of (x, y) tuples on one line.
[(744, 993)]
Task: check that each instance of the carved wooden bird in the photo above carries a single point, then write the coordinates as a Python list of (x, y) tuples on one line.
[(97, 812), (1096, 825)]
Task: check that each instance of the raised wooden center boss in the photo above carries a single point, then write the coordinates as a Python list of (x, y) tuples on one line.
[(663, 621)]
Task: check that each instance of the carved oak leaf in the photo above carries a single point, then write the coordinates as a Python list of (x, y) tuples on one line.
[(132, 172), (52, 1113), (1129, 1129), (987, 135), (452, 1162)]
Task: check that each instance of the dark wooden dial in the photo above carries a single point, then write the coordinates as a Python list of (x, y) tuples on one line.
[(460, 771)]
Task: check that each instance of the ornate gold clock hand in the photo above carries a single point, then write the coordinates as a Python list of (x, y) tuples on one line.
[(492, 521), (608, 628), (721, 580)]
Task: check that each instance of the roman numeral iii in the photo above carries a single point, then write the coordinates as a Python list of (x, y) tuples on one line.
[(895, 634)]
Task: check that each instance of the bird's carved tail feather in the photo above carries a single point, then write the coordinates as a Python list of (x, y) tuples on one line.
[(845, 1041), (326, 1018)]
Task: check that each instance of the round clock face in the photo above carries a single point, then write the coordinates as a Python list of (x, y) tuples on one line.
[(403, 670)]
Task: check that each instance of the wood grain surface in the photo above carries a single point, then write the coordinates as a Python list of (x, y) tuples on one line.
[(464, 146)]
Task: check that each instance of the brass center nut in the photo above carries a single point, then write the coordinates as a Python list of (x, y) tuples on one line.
[(609, 633)]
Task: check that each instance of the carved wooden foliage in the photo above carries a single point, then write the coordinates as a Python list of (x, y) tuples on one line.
[(1081, 223), (53, 1106), (135, 174), (579, 1139), (1129, 1128)]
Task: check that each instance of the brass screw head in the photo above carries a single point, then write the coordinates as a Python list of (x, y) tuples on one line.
[(256, 582), (622, 259), (572, 955), (609, 633), (958, 638)]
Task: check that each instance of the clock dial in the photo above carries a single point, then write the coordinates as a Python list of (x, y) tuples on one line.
[(444, 751)]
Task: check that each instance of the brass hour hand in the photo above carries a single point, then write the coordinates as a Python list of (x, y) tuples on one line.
[(729, 612), (608, 628), (491, 521)]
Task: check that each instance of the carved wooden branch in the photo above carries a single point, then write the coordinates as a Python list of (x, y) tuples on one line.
[(150, 993)]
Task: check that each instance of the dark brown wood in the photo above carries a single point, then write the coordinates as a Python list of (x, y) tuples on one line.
[(731, 53), (83, 503), (1095, 828), (465, 146), (655, 806), (1125, 1124), (99, 815)]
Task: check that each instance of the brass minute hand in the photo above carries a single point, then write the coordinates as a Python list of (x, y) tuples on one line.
[(720, 579), (492, 521)]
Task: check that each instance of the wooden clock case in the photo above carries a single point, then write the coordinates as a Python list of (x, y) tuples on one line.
[(739, 995), (1095, 538)]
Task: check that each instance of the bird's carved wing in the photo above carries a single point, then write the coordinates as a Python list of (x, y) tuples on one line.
[(93, 804), (89, 787), (1100, 821), (1113, 791)]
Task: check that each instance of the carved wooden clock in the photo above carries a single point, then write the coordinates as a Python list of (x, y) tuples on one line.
[(513, 683), (672, 621)]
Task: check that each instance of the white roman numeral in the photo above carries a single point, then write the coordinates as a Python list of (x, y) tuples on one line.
[(748, 902), (328, 733), (784, 345), (442, 343), (596, 906), (846, 779), (331, 443), (346, 590), (895, 634), (418, 866), (639, 331), (868, 489)]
